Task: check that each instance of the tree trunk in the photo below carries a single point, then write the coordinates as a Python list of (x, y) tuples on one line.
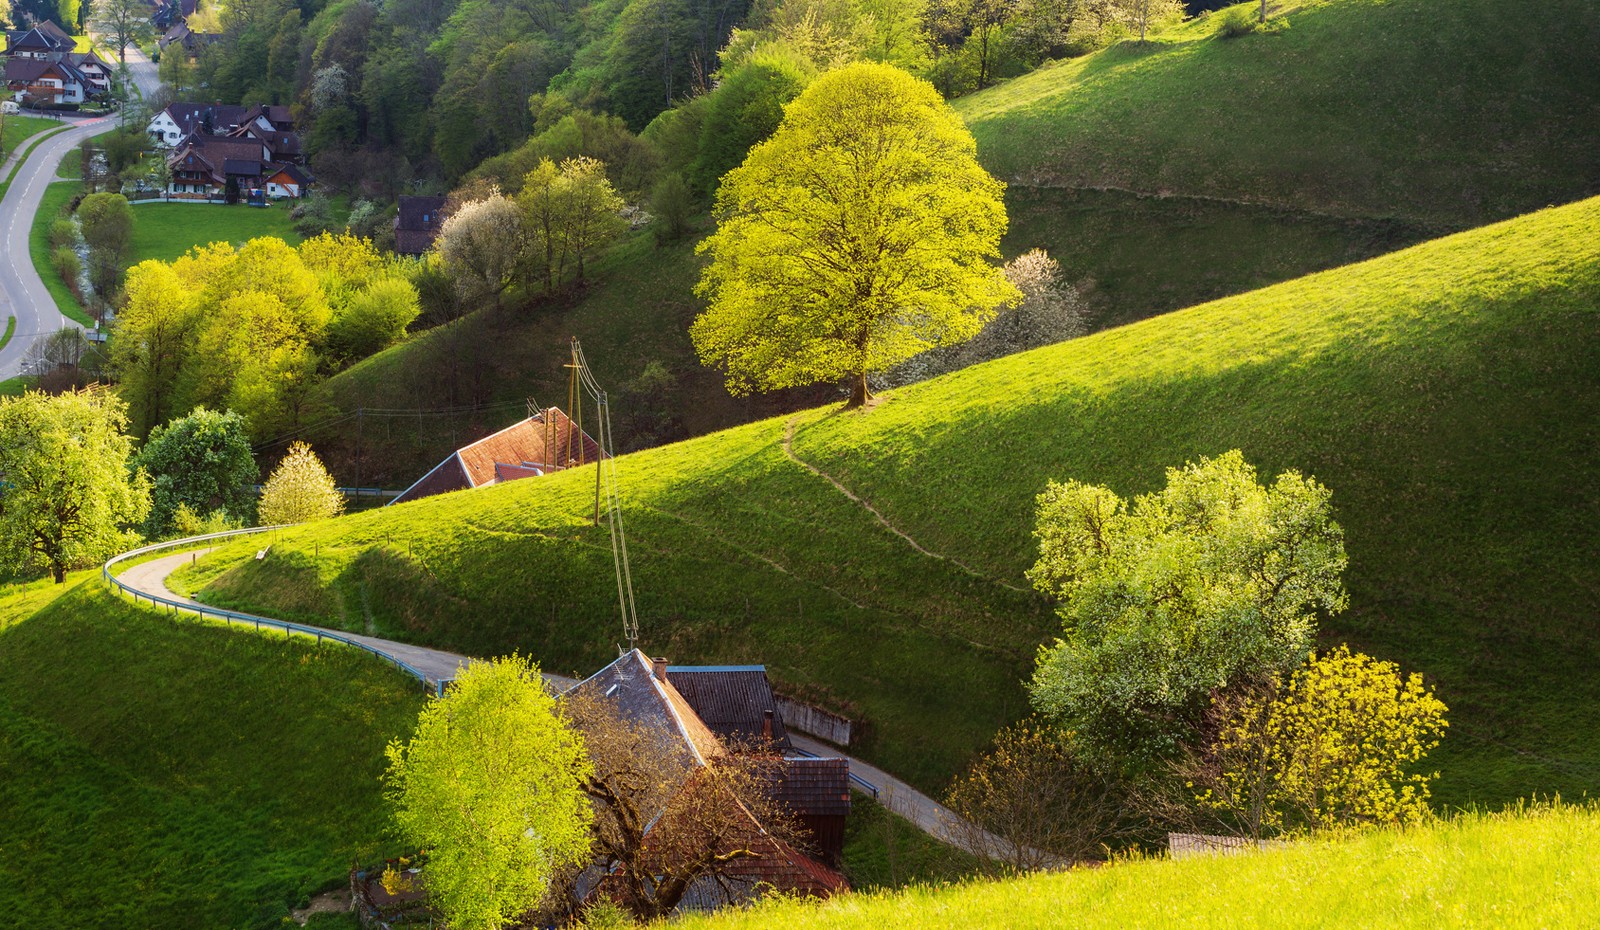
[(859, 393), (59, 571)]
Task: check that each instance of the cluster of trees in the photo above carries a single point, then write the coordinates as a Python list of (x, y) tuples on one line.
[(559, 219), (398, 91), (75, 491), (523, 801), (1185, 691), (254, 329), (71, 15)]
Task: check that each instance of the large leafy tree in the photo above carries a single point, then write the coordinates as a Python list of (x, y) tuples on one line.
[(857, 236), (201, 461), (127, 22), (490, 786), (1211, 582), (67, 496)]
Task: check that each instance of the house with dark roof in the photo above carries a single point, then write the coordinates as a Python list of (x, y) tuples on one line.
[(646, 691), (45, 41), (544, 443), (417, 224), (46, 82)]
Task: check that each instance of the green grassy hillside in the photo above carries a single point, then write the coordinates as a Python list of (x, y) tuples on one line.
[(1192, 167), (1457, 113), (167, 773), (636, 311), (1518, 871), (1448, 394)]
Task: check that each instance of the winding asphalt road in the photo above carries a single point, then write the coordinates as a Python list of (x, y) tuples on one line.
[(150, 578), (22, 291)]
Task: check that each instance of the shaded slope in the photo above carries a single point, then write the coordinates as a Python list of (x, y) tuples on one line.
[(1458, 113), (177, 774), (1448, 394)]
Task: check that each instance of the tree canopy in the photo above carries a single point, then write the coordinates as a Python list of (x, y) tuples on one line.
[(489, 786), (299, 490), (202, 461), (1211, 581), (67, 496), (860, 234)]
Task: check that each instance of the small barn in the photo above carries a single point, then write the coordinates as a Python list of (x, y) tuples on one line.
[(416, 224), (544, 443)]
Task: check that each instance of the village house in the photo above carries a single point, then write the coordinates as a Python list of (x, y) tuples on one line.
[(41, 68), (544, 443), (417, 224), (816, 791), (218, 150)]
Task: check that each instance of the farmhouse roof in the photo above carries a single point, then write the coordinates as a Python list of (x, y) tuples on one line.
[(194, 117), (44, 37), (815, 787), (640, 696), (735, 701), (545, 442)]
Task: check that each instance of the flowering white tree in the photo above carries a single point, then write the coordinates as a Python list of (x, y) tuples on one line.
[(299, 490)]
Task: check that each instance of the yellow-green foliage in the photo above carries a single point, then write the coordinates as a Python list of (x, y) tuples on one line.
[(1340, 746), (299, 490), (1529, 869), (860, 234), (1448, 396), (490, 787), (246, 329)]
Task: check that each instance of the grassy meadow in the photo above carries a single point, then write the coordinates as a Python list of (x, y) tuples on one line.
[(227, 775), (1454, 114), (1518, 870), (1448, 394), (165, 231), (51, 207)]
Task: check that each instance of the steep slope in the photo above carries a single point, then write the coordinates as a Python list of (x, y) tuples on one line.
[(1193, 166), (1521, 870), (1448, 394), (172, 773)]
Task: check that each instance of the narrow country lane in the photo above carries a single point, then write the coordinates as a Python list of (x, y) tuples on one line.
[(150, 579), (22, 291)]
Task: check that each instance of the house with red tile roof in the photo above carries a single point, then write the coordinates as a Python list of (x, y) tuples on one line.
[(544, 443)]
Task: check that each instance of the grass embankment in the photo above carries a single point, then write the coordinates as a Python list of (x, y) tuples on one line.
[(1499, 871), (172, 773), (33, 135), (164, 231), (637, 310), (11, 330), (1367, 125), (19, 128), (52, 206), (1448, 394)]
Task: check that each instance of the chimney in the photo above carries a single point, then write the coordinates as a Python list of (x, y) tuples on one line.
[(766, 726), (658, 667)]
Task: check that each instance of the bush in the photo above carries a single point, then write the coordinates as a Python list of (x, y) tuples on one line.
[(673, 204), (1237, 22), (62, 233), (65, 262)]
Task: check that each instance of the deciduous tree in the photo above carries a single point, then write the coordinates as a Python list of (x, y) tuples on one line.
[(1212, 581), (483, 244), (299, 490), (489, 785), (67, 496), (201, 461), (128, 23), (858, 235), (1337, 744)]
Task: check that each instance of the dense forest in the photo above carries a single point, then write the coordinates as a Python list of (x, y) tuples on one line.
[(422, 92)]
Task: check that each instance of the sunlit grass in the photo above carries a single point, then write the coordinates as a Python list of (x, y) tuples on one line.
[(1448, 394)]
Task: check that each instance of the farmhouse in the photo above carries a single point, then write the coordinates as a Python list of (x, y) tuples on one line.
[(42, 69), (817, 790), (546, 442), (417, 224), (45, 41)]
